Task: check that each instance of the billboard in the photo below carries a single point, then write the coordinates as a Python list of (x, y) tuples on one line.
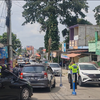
[(29, 48), (3, 52)]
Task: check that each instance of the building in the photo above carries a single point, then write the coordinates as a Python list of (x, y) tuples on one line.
[(78, 42)]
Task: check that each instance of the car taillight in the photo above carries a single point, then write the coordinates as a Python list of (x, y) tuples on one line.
[(21, 75), (45, 75)]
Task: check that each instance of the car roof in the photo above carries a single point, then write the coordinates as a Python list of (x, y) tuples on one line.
[(33, 65), (52, 63)]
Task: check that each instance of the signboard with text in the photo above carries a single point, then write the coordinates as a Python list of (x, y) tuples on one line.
[(64, 47), (64, 56)]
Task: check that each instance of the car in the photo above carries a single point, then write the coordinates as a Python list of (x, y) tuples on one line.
[(32, 61), (12, 87), (39, 76), (20, 61), (56, 68), (88, 74)]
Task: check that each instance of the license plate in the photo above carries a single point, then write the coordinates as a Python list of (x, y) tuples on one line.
[(95, 79)]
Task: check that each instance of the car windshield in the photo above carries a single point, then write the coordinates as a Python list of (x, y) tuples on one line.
[(88, 67), (54, 65), (34, 69)]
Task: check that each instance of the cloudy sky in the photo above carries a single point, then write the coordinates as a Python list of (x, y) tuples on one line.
[(30, 33)]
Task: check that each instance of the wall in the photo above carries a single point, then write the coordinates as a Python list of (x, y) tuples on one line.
[(71, 35), (81, 37), (87, 33), (75, 31), (76, 59), (84, 59), (98, 58)]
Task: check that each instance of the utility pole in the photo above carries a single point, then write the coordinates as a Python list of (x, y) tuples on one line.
[(9, 35), (49, 47)]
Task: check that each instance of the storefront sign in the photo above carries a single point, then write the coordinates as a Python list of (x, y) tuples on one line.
[(64, 56)]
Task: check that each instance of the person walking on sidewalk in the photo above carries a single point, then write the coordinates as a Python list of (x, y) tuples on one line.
[(75, 69)]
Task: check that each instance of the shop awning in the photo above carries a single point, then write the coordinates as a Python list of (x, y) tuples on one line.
[(37, 55), (73, 55)]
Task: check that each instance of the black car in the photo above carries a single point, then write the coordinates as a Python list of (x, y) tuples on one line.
[(12, 87), (39, 76)]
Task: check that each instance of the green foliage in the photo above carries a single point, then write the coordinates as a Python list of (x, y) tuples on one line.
[(97, 14), (82, 21), (48, 12), (15, 42)]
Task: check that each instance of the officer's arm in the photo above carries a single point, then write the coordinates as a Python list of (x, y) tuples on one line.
[(70, 67)]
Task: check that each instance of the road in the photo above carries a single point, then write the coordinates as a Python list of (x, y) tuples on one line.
[(64, 92)]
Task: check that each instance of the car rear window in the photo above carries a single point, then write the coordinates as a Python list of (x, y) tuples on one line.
[(54, 65), (88, 67), (33, 69)]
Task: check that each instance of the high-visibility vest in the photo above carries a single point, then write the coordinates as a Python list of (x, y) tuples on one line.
[(74, 68), (0, 70)]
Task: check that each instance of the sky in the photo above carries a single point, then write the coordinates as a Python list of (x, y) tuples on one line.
[(29, 34)]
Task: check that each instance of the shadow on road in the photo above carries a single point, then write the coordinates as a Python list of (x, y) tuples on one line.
[(44, 90), (91, 85)]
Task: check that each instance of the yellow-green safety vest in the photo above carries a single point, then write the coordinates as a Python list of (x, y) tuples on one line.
[(0, 70), (74, 68)]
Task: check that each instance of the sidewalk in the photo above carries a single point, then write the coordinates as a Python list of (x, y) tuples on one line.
[(64, 72), (90, 92)]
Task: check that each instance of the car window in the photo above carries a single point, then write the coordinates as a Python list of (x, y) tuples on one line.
[(49, 70), (34, 69), (8, 75), (88, 67), (54, 65)]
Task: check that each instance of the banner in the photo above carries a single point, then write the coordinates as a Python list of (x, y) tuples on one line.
[(3, 52)]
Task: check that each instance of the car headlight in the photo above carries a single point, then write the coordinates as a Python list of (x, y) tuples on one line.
[(85, 73)]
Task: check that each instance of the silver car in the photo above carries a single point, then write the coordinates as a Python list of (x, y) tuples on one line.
[(39, 76)]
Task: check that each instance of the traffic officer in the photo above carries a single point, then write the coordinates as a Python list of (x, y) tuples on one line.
[(75, 69), (0, 71), (2, 68)]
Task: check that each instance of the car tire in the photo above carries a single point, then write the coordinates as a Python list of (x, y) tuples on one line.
[(54, 84), (49, 88), (25, 94), (69, 78), (80, 81)]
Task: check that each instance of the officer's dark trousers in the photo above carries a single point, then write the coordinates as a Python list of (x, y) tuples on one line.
[(71, 82)]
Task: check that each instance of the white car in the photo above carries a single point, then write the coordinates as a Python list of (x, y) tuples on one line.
[(32, 61), (56, 68), (88, 74)]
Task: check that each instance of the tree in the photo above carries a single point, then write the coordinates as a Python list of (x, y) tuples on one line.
[(15, 42), (97, 14), (41, 10)]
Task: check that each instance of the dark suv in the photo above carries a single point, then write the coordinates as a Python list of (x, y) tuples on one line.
[(39, 76), (12, 87)]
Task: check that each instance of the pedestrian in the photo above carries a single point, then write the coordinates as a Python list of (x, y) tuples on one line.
[(69, 67), (74, 70)]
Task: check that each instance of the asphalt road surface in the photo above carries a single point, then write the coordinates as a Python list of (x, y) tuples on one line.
[(61, 93)]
